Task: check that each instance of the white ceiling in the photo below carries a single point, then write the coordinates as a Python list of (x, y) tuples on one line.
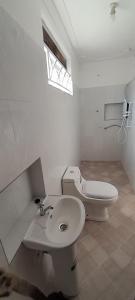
[(93, 33)]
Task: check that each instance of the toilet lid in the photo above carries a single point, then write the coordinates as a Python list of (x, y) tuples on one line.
[(99, 189)]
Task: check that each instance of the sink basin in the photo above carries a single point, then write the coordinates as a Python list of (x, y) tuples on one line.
[(58, 229)]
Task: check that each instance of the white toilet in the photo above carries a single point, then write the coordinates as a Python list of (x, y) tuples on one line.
[(97, 196)]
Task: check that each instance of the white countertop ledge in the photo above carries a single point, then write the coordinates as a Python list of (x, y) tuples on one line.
[(16, 235)]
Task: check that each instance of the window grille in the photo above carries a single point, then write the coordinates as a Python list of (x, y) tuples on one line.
[(58, 76)]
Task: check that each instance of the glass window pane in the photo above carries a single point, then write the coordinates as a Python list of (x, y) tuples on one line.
[(61, 75), (58, 66), (57, 74), (69, 85), (54, 75), (52, 61), (65, 81), (52, 58)]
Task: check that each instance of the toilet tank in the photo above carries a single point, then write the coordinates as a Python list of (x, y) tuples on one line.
[(71, 179)]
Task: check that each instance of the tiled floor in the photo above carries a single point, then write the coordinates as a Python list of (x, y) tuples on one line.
[(106, 250)]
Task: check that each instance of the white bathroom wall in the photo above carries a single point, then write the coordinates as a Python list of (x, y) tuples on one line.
[(128, 149), (14, 199), (96, 142), (36, 120), (102, 82), (107, 73)]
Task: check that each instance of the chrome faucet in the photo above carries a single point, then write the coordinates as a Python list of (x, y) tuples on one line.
[(43, 209)]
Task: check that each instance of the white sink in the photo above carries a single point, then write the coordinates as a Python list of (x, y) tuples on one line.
[(58, 229)]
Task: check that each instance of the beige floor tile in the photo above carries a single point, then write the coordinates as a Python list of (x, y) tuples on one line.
[(114, 221), (105, 226), (101, 279), (124, 232), (80, 250), (107, 249), (121, 258), (99, 235), (99, 255), (86, 267), (127, 211), (88, 242), (111, 293), (124, 285), (133, 217), (130, 271), (111, 268), (83, 233), (89, 291), (130, 197), (126, 189), (126, 221), (115, 237), (113, 211), (132, 296), (91, 226), (129, 247), (110, 246)]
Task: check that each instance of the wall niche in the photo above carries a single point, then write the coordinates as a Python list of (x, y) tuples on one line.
[(113, 111), (18, 207)]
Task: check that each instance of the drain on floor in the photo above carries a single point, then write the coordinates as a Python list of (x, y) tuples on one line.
[(63, 227)]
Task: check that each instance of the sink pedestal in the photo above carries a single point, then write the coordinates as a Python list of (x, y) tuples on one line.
[(65, 267)]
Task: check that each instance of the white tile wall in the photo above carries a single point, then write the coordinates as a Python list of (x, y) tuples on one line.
[(36, 120), (13, 201), (7, 145), (128, 149), (19, 56), (96, 142), (107, 72), (42, 120)]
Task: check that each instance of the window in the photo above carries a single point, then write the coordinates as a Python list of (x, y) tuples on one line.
[(58, 76), (52, 46)]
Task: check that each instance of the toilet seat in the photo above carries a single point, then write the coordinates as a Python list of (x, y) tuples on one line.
[(99, 190)]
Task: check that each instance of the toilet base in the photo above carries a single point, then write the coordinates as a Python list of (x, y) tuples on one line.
[(95, 213)]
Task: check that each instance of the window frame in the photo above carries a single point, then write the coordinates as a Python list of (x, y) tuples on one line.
[(55, 68), (52, 45)]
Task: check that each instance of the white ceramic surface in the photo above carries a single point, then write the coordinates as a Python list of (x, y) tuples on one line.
[(96, 142), (44, 232), (31, 111), (128, 152), (96, 208)]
